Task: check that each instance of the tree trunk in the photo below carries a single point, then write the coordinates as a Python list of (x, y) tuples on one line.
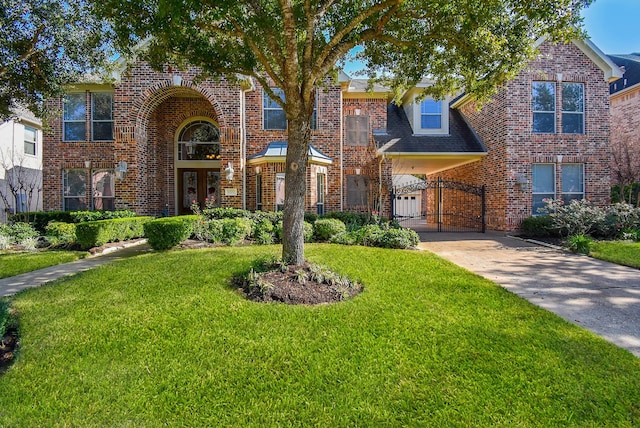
[(295, 189)]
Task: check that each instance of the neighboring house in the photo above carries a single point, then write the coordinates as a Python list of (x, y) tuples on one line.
[(625, 114), (155, 142), (20, 164)]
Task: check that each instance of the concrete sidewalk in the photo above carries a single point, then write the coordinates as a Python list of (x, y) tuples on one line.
[(14, 284), (600, 296)]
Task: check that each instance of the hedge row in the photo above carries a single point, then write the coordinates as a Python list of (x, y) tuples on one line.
[(96, 233), (40, 219)]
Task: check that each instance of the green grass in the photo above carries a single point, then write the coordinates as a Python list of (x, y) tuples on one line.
[(620, 252), (162, 340), (16, 263)]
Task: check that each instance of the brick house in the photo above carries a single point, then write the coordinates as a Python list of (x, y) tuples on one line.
[(155, 141), (625, 111)]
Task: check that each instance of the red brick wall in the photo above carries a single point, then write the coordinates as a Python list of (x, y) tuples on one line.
[(625, 119), (505, 127)]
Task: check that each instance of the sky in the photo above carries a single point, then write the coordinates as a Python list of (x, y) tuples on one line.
[(614, 25)]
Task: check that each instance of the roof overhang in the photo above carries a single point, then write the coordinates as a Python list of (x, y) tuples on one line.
[(429, 163), (276, 152), (625, 91)]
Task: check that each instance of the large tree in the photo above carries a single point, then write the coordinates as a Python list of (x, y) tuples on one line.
[(44, 45), (294, 45)]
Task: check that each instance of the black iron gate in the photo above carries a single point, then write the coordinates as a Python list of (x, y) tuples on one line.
[(444, 206)]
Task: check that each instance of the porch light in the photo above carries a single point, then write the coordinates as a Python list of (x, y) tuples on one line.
[(521, 180), (228, 171), (121, 170)]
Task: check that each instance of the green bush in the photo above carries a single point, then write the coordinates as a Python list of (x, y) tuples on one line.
[(18, 232), (59, 232), (395, 238), (580, 244), (96, 233), (40, 219), (220, 213), (85, 216), (167, 232), (307, 232), (353, 220), (540, 226), (235, 230), (326, 228)]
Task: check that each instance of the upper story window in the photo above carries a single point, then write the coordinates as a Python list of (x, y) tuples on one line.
[(199, 140), (273, 115), (572, 108), (544, 107), (30, 140), (75, 116), (101, 116), (431, 114), (357, 130)]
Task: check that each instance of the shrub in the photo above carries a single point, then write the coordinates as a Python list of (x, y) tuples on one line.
[(580, 244), (4, 317), (395, 238), (263, 231), (59, 232), (235, 230), (576, 218), (85, 216), (353, 220), (220, 213), (21, 231), (96, 233), (537, 226), (167, 232), (5, 242), (326, 228), (308, 231)]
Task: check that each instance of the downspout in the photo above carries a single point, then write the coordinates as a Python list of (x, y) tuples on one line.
[(380, 185), (243, 140), (341, 149)]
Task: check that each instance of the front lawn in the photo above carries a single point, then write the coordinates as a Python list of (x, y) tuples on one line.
[(162, 340), (621, 252), (16, 263)]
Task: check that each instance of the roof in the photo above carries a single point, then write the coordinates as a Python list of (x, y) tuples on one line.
[(631, 75), (276, 151), (401, 139)]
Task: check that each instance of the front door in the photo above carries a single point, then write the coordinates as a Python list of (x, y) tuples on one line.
[(197, 185)]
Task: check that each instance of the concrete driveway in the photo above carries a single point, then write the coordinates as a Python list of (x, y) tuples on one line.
[(600, 296)]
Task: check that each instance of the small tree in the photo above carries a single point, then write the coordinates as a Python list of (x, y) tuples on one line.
[(22, 185), (625, 158), (295, 45)]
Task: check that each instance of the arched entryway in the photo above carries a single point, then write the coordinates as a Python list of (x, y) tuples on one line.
[(197, 155)]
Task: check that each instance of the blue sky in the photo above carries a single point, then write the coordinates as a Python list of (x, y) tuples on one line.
[(614, 25)]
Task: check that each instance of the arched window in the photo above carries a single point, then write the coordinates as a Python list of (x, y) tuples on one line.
[(199, 140)]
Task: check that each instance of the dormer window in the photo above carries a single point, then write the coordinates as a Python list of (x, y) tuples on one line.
[(431, 114)]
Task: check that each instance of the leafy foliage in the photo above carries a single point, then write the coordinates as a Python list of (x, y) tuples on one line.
[(165, 233), (96, 233), (44, 45), (537, 226), (326, 228), (580, 244)]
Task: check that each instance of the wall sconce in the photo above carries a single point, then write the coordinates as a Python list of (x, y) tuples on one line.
[(191, 147), (228, 171), (258, 170), (121, 170), (521, 180), (358, 170), (87, 164)]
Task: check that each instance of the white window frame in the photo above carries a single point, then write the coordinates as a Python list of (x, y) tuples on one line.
[(94, 120), (280, 195), (547, 194), (581, 193), (266, 96), (552, 112), (414, 114), (570, 112), (321, 185), (31, 143), (83, 120)]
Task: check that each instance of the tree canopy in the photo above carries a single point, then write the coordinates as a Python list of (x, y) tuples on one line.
[(44, 45), (471, 45)]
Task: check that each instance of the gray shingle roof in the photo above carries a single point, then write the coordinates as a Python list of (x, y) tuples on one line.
[(631, 64), (461, 138)]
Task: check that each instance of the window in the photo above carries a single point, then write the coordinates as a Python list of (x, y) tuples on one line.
[(74, 184), (74, 115), (573, 108), (544, 107), (357, 191), (101, 116), (320, 180), (544, 184), (431, 114), (357, 130), (274, 117), (199, 140), (103, 189), (259, 192), (572, 182), (30, 140), (280, 191)]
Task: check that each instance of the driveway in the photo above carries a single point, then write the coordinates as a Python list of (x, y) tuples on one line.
[(600, 296)]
